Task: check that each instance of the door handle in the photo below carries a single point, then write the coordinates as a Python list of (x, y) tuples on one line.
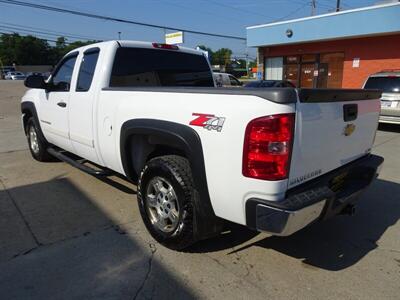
[(62, 104)]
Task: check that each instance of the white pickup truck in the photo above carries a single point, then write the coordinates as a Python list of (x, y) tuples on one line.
[(274, 160)]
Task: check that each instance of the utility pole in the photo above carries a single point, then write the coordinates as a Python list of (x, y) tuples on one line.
[(337, 5), (119, 35), (313, 7)]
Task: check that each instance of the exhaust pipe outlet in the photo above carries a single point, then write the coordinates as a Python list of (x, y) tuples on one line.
[(349, 210)]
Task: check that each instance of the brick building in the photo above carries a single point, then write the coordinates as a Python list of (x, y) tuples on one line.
[(329, 51)]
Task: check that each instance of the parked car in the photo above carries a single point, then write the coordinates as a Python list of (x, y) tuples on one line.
[(5, 70), (275, 160), (226, 80), (389, 82), (269, 84), (34, 73), (15, 76)]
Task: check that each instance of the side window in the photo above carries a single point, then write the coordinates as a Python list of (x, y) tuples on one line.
[(86, 71), (62, 78), (234, 81)]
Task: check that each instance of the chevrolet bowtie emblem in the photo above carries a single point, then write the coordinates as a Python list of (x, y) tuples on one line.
[(349, 129)]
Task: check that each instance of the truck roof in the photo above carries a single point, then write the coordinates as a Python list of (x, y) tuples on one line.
[(136, 44)]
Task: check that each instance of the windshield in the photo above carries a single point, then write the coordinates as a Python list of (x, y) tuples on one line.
[(135, 67), (386, 84)]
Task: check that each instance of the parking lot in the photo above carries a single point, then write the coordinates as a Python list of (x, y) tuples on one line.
[(65, 234)]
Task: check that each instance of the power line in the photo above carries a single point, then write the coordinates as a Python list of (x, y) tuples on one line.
[(59, 33), (21, 28), (293, 12), (241, 10), (113, 19)]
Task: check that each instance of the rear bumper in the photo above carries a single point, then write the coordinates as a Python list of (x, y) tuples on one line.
[(318, 199)]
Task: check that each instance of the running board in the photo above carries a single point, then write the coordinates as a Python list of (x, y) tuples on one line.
[(77, 164)]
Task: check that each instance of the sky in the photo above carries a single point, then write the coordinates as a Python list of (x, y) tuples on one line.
[(228, 17)]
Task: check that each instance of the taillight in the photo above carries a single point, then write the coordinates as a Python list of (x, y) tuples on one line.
[(267, 147), (165, 46)]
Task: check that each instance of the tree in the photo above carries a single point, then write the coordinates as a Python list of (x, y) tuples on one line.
[(222, 57), (30, 50), (23, 50)]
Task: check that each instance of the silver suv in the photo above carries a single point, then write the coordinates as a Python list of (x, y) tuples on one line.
[(389, 82)]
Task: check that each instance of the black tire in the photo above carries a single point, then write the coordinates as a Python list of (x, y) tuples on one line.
[(40, 153), (176, 171)]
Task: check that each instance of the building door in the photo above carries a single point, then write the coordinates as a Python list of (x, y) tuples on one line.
[(322, 81), (307, 75), (274, 68), (292, 74)]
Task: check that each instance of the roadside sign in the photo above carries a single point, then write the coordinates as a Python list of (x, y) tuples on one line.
[(174, 38)]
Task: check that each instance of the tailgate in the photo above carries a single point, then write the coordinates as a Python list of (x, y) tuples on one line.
[(333, 128)]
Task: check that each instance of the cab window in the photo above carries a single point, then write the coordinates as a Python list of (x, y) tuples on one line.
[(61, 79), (86, 71), (234, 81)]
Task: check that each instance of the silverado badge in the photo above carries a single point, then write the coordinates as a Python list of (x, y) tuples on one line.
[(349, 129)]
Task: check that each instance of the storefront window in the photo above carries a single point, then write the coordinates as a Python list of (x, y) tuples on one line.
[(292, 59), (292, 73), (305, 58), (307, 75), (315, 70), (330, 70)]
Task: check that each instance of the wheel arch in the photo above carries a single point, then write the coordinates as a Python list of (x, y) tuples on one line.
[(143, 139), (28, 110)]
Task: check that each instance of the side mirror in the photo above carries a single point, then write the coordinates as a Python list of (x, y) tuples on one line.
[(35, 82)]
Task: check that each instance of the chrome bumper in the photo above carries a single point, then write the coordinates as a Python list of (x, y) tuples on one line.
[(283, 222), (318, 199)]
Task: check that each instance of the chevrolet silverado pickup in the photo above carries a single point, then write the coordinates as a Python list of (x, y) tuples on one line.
[(274, 159)]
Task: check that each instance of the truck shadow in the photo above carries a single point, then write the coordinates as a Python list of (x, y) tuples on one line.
[(332, 245), (57, 242)]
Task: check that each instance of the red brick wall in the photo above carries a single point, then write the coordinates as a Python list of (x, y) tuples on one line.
[(375, 53)]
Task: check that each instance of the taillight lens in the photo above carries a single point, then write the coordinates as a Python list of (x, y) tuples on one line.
[(267, 147)]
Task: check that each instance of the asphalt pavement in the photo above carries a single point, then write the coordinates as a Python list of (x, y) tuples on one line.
[(67, 235)]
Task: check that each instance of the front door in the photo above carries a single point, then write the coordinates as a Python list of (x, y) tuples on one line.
[(307, 75), (81, 104), (55, 105)]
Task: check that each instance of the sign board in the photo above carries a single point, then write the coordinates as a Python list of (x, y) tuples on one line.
[(174, 38), (356, 62)]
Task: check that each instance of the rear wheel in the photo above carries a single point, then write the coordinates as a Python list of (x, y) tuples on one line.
[(165, 197), (37, 145)]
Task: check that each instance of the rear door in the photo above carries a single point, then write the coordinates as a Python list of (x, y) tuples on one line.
[(333, 128)]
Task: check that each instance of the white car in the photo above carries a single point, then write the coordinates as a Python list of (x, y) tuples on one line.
[(388, 81), (275, 159), (15, 76), (226, 80)]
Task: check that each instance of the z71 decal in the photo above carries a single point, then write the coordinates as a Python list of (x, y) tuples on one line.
[(207, 121)]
